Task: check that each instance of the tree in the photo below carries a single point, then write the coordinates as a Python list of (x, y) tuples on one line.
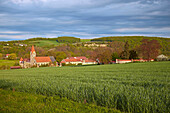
[(133, 54), (125, 53), (60, 56), (103, 54), (12, 56), (150, 49), (117, 46), (51, 53), (115, 56), (0, 55)]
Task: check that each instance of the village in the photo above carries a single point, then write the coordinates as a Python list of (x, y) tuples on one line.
[(50, 61)]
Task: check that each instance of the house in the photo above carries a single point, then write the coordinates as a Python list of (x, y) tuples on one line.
[(7, 55), (162, 57), (88, 62), (78, 60), (36, 61), (15, 67), (95, 45), (122, 61)]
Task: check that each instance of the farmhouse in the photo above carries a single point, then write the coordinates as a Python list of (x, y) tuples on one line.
[(95, 45), (122, 61), (36, 61), (78, 60), (162, 57)]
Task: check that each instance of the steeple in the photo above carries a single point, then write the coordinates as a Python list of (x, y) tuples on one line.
[(21, 59), (32, 49), (32, 56)]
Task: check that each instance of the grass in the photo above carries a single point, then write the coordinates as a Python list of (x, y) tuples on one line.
[(8, 62), (45, 43), (42, 43), (133, 87), (18, 102), (85, 40)]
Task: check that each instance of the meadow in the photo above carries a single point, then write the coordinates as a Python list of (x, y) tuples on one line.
[(133, 87), (20, 102), (44, 43), (8, 62)]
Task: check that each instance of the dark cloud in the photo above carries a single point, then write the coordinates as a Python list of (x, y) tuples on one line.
[(83, 18)]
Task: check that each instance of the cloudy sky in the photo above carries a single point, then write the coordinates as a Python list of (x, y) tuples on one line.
[(22, 19)]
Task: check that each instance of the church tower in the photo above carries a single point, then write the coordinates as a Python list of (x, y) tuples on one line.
[(32, 56)]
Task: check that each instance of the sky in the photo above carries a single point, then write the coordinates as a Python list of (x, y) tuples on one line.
[(23, 19)]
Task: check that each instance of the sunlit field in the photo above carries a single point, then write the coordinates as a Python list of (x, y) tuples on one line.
[(133, 87)]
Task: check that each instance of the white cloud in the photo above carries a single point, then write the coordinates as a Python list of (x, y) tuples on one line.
[(164, 29), (11, 32)]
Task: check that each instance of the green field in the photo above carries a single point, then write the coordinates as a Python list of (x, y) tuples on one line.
[(42, 43), (133, 87), (19, 102), (8, 62), (85, 40)]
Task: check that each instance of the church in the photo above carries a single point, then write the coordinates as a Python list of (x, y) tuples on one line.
[(36, 61)]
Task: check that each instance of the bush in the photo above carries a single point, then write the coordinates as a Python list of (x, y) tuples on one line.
[(12, 56), (79, 64), (70, 64), (4, 67), (63, 64), (16, 63), (44, 65), (66, 39)]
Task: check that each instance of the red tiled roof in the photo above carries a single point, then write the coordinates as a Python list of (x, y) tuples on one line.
[(32, 49), (81, 57), (72, 60), (62, 61), (42, 59), (21, 59), (124, 60), (90, 60)]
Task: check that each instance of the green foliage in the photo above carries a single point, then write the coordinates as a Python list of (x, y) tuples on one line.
[(133, 54), (79, 64), (136, 41), (6, 64), (67, 39), (63, 64), (60, 56), (70, 64), (0, 56), (134, 87), (115, 56), (12, 101), (44, 65), (85, 40), (4, 67), (125, 52), (12, 56)]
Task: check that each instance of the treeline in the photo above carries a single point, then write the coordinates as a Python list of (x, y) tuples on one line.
[(66, 39), (62, 39), (136, 41)]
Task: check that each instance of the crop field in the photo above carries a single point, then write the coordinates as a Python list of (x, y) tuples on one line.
[(8, 62), (133, 87), (42, 43)]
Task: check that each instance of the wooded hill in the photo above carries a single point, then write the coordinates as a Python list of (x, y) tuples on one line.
[(136, 41), (49, 43)]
